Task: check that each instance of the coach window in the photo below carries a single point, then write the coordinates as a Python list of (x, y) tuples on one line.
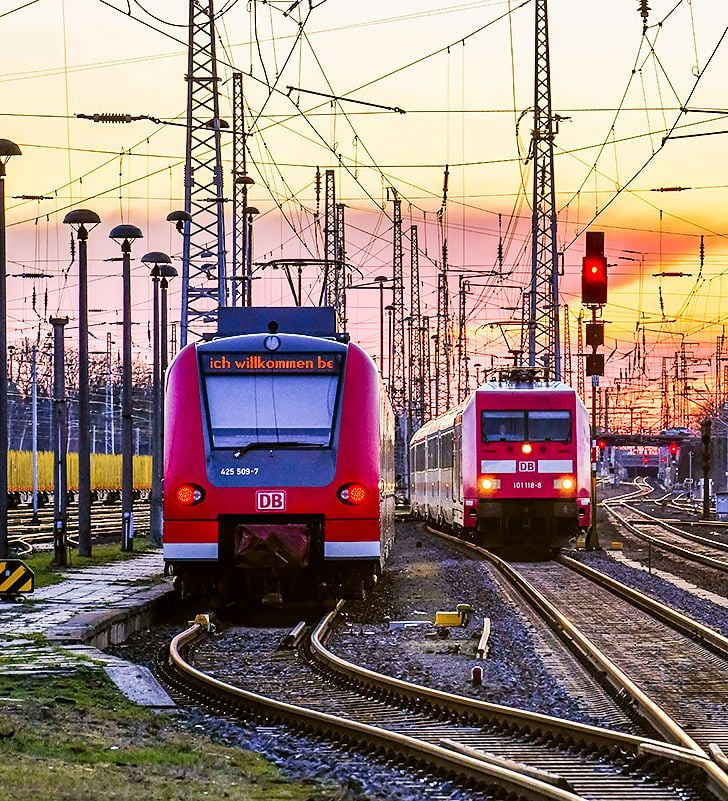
[(446, 450), (420, 457), (433, 459), (549, 426), (503, 426)]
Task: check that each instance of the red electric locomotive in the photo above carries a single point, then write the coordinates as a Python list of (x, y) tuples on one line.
[(279, 460), (508, 467)]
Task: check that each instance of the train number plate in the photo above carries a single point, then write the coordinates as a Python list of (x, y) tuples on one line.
[(527, 467), (267, 501)]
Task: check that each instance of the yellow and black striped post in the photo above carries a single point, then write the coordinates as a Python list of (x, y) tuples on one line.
[(15, 577)]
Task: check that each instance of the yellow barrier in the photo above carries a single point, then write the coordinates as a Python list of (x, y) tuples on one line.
[(105, 471)]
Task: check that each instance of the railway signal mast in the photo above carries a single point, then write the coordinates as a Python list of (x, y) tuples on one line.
[(594, 296), (543, 315), (204, 286)]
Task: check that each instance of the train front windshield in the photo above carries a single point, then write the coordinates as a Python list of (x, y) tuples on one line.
[(254, 409), (526, 426)]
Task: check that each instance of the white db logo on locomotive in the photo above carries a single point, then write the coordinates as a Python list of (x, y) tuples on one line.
[(270, 501), (527, 467)]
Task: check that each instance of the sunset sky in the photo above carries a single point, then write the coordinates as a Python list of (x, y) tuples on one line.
[(463, 73)]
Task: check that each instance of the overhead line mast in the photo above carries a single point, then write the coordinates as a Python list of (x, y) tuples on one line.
[(204, 285), (543, 320)]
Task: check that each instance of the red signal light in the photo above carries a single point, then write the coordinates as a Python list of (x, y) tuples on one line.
[(645, 460), (594, 280), (601, 444), (673, 448), (353, 494)]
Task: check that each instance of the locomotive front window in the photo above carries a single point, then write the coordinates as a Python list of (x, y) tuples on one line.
[(281, 409), (548, 426), (526, 426), (503, 426)]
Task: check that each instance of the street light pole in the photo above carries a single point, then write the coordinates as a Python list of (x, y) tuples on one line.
[(126, 234), (7, 149), (158, 261), (250, 212), (79, 219)]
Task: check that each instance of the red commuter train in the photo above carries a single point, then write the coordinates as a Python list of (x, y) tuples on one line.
[(510, 467), (278, 460)]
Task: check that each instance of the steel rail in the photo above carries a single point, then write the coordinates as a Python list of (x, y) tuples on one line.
[(450, 762), (684, 624), (688, 535), (691, 556), (654, 714)]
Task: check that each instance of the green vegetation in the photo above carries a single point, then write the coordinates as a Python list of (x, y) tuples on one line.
[(46, 573), (76, 739)]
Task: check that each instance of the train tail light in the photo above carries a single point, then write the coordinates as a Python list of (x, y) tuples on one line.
[(565, 483), (353, 494), (488, 484), (189, 494)]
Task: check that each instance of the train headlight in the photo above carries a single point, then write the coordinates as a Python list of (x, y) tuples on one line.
[(353, 494), (189, 494), (565, 483), (488, 484), (526, 447)]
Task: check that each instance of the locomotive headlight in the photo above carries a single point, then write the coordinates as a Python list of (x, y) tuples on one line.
[(526, 447), (488, 484), (353, 494), (564, 483), (189, 494)]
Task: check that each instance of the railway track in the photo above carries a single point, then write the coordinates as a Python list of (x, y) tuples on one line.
[(667, 536), (481, 745), (26, 536)]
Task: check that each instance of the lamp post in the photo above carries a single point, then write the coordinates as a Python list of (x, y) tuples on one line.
[(125, 235), (78, 220), (156, 260), (7, 149), (250, 212), (243, 181)]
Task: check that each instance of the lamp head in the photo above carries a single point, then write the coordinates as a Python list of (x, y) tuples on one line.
[(8, 149), (82, 221), (121, 232), (156, 259), (180, 218)]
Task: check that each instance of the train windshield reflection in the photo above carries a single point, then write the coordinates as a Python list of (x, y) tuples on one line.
[(252, 410), (498, 425)]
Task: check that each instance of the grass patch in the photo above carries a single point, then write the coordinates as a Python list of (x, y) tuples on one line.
[(76, 738), (46, 573)]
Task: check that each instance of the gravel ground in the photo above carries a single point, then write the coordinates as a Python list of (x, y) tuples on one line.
[(425, 575)]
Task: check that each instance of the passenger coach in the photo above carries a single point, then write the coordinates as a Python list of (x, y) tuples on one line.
[(279, 460), (508, 467)]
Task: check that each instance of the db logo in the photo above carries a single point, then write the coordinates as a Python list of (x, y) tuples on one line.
[(270, 501), (527, 467)]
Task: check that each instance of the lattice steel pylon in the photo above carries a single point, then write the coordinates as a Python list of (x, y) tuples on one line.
[(397, 386), (568, 373), (416, 359), (334, 283), (340, 268), (241, 281), (543, 323), (204, 286), (442, 340)]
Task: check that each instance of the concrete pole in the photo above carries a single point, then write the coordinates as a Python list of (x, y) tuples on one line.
[(60, 430)]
